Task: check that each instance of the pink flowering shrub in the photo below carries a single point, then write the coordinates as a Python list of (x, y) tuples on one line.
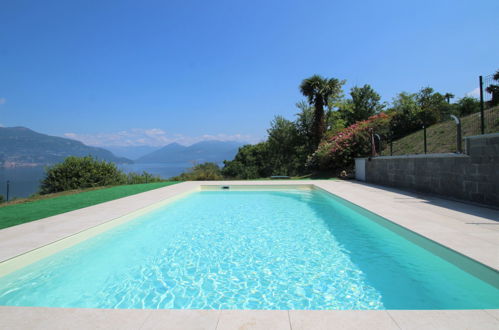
[(337, 152)]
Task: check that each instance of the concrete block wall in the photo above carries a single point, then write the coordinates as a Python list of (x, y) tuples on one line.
[(473, 176)]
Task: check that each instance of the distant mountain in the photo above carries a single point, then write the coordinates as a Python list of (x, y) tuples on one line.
[(20, 146), (206, 151), (131, 152)]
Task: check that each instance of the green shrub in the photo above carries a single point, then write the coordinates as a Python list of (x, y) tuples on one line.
[(467, 105), (2, 199), (81, 172), (204, 171), (135, 178), (86, 172), (338, 152)]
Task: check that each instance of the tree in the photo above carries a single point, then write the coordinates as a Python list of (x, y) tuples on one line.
[(283, 143), (448, 96), (304, 127), (494, 90), (282, 154), (406, 118), (413, 111), (467, 105), (365, 103), (433, 106), (318, 91), (335, 122), (250, 162)]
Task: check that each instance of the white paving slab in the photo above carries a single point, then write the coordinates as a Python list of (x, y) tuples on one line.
[(325, 320), (181, 319), (17, 318), (448, 319), (253, 320)]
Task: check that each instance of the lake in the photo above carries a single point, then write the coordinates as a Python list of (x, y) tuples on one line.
[(25, 181)]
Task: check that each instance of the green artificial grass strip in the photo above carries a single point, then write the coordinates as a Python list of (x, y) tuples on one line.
[(11, 215)]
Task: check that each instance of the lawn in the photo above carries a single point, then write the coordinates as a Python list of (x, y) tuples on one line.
[(441, 137), (38, 208)]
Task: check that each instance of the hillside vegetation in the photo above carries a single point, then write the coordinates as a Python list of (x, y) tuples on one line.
[(441, 137), (331, 129)]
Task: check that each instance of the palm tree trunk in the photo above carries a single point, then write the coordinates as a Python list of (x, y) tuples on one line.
[(318, 126)]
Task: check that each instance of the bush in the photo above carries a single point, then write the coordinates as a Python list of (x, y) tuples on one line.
[(81, 172), (337, 153), (87, 172), (467, 106), (135, 178), (204, 171), (2, 199)]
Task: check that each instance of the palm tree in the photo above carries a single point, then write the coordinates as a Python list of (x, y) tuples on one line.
[(448, 96), (494, 90), (318, 90)]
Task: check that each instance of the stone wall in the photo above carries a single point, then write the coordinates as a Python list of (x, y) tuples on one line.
[(473, 176)]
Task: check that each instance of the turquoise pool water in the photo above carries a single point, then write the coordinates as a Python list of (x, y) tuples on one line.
[(293, 249)]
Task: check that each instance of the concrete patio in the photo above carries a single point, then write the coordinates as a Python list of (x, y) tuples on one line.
[(468, 229)]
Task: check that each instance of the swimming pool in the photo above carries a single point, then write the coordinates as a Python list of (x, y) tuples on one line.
[(277, 249)]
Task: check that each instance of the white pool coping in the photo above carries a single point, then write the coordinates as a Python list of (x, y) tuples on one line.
[(468, 229)]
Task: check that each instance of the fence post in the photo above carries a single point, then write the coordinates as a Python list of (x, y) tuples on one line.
[(378, 146), (373, 147), (424, 138), (8, 188), (482, 120), (391, 147), (458, 134)]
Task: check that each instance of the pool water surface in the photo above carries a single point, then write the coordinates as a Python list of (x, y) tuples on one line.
[(281, 249)]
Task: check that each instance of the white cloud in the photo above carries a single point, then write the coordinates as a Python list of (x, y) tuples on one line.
[(474, 93), (3, 100), (151, 137)]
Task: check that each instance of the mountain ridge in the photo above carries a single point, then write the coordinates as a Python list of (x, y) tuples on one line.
[(21, 147), (204, 151), (131, 152)]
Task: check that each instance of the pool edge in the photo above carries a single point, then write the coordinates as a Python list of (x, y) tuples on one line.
[(323, 185)]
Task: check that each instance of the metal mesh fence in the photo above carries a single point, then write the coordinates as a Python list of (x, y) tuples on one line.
[(442, 137), (489, 101)]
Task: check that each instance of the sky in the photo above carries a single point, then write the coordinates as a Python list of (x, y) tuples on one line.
[(153, 72)]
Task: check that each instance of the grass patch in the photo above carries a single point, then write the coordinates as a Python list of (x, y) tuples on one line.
[(441, 138), (38, 207)]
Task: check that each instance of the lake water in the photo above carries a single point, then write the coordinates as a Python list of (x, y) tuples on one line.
[(164, 170), (25, 181)]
